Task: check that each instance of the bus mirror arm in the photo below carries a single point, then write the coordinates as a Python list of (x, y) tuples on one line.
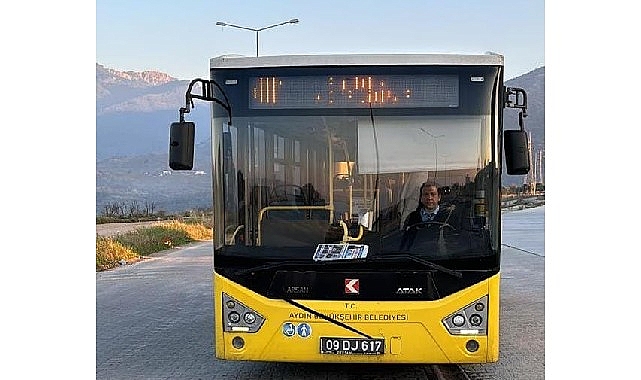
[(519, 101), (182, 133), (207, 95), (521, 123)]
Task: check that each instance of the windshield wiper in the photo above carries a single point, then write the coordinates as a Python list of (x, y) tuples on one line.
[(419, 260), (266, 266), (289, 262)]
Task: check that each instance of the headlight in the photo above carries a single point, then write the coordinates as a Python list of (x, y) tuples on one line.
[(250, 322), (233, 317), (249, 318), (476, 320), (458, 320), (469, 320)]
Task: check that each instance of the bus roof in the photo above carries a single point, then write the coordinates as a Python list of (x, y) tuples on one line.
[(236, 61)]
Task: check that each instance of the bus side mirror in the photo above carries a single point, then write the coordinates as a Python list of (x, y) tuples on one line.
[(181, 145), (517, 154)]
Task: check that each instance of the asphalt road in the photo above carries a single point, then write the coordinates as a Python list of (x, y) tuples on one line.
[(154, 320)]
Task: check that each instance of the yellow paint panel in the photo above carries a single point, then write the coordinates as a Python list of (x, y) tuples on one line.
[(412, 330)]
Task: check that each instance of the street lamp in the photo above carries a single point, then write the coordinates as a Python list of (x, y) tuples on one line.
[(256, 30), (435, 151), (445, 156)]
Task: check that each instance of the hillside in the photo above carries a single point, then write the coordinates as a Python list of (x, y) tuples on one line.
[(134, 111), (534, 84), (147, 178)]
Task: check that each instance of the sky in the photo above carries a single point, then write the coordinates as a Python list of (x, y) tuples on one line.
[(179, 37)]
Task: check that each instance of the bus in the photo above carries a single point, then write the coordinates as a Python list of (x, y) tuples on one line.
[(317, 162)]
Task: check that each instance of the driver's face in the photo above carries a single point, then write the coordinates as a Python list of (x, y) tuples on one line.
[(430, 197)]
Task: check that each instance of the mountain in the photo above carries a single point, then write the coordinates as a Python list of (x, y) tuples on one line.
[(133, 114), (134, 111), (114, 87)]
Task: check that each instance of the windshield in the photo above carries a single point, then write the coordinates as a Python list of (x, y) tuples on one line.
[(319, 186)]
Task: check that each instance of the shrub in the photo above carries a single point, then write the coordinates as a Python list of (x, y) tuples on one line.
[(110, 252), (147, 240), (195, 231)]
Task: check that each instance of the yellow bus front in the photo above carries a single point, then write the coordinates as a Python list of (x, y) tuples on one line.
[(460, 328)]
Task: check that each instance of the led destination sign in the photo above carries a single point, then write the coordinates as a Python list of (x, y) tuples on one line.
[(355, 91)]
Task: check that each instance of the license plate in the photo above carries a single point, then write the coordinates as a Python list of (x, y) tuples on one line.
[(348, 346)]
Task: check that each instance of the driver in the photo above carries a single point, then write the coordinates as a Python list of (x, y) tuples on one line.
[(428, 210)]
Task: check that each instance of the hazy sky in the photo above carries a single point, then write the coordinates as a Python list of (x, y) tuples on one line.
[(179, 37)]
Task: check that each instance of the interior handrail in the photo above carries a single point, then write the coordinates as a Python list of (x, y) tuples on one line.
[(346, 236), (263, 210)]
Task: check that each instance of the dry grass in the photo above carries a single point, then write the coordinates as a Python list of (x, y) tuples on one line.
[(193, 231), (109, 253), (131, 246)]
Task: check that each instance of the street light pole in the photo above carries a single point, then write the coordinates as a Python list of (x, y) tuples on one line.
[(257, 30), (445, 168), (435, 151), (257, 43)]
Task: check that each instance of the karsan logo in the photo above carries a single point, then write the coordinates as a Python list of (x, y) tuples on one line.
[(351, 286), (409, 291), (297, 290)]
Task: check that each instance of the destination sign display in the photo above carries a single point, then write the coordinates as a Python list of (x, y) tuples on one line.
[(354, 91)]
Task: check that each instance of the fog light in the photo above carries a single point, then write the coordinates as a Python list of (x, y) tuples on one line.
[(233, 317), (238, 342), (458, 320), (472, 345), (476, 320), (249, 318)]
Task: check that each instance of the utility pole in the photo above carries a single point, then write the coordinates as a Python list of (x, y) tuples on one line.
[(540, 166), (531, 176)]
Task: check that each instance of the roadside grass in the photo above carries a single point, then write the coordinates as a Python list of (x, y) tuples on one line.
[(132, 246)]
